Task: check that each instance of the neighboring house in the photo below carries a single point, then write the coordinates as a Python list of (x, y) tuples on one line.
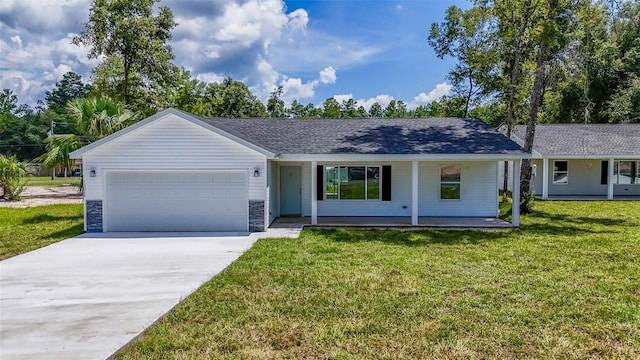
[(179, 172), (585, 160)]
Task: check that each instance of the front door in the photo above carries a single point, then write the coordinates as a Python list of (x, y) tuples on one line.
[(290, 190)]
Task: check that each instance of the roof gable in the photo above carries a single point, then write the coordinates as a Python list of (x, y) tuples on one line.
[(77, 154)]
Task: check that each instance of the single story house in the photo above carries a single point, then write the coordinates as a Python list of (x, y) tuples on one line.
[(584, 160), (179, 172)]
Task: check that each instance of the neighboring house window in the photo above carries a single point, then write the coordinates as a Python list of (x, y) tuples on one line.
[(450, 176), (560, 172), (626, 172), (352, 182)]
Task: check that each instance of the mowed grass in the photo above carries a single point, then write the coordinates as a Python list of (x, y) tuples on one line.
[(566, 285), (26, 229), (46, 181)]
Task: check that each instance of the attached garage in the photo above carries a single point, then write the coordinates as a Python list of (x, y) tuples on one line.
[(176, 201)]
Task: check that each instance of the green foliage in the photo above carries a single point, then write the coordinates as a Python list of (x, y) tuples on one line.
[(58, 147), (99, 117), (133, 42), (21, 129), (275, 104), (69, 88), (467, 37), (13, 177)]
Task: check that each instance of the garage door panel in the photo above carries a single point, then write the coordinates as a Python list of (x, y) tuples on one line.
[(177, 201)]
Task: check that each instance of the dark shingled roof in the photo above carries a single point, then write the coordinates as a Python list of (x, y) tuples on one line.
[(369, 136), (580, 139)]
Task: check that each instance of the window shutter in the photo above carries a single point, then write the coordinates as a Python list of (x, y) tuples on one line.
[(320, 183), (386, 183), (604, 172)]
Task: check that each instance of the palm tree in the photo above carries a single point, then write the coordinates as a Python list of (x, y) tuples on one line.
[(58, 148), (99, 117), (12, 177)]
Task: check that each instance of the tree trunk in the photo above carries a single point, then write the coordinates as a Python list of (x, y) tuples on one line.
[(510, 105), (534, 105), (466, 106)]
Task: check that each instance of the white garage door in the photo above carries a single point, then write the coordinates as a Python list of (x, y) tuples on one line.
[(176, 201)]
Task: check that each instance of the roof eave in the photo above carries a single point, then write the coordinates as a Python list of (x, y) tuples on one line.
[(402, 157)]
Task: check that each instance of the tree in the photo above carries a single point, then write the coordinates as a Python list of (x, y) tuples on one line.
[(348, 109), (132, 39), (275, 104), (548, 35), (232, 99), (69, 88), (375, 111), (21, 129), (466, 36), (58, 149), (99, 117), (331, 108), (297, 110), (12, 177)]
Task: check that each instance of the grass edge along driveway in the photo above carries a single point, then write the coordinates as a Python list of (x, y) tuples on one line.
[(566, 285), (27, 229)]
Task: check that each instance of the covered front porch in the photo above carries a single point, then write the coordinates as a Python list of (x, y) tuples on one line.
[(426, 222)]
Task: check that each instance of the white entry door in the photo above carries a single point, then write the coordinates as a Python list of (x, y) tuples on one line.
[(176, 201)]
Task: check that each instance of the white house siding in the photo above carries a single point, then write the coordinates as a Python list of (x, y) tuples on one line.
[(400, 204), (172, 143), (478, 195), (584, 179), (273, 190)]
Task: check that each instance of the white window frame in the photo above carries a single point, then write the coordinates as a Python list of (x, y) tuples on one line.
[(459, 183), (366, 182), (553, 178)]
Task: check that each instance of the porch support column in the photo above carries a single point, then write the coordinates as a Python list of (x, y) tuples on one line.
[(414, 193), (314, 193), (545, 178), (610, 180), (515, 194)]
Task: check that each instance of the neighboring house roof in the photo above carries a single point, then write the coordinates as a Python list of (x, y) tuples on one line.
[(369, 136), (582, 140), (274, 137)]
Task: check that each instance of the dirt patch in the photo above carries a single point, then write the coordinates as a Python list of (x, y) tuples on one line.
[(46, 195)]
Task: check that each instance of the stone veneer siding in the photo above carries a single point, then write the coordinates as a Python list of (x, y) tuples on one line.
[(94, 215), (256, 215)]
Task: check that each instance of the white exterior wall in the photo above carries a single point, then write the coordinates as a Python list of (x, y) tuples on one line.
[(478, 190), (400, 204), (584, 179), (172, 143), (274, 191)]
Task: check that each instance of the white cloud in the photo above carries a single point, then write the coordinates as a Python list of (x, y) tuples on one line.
[(342, 97), (328, 75), (294, 88), (382, 99), (439, 91)]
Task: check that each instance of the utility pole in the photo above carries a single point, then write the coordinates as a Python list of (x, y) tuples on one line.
[(53, 171)]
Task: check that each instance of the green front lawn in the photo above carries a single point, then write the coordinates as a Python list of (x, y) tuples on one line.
[(566, 285), (27, 229)]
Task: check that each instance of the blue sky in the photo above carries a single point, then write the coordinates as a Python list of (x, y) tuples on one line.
[(365, 49)]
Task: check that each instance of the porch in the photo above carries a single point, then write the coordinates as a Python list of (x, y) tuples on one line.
[(426, 222)]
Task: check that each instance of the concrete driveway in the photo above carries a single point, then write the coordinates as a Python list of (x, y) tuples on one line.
[(85, 297)]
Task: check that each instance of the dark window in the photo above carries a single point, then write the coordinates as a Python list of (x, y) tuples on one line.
[(604, 172), (320, 182), (386, 183)]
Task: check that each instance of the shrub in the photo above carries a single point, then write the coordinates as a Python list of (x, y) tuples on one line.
[(13, 176)]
